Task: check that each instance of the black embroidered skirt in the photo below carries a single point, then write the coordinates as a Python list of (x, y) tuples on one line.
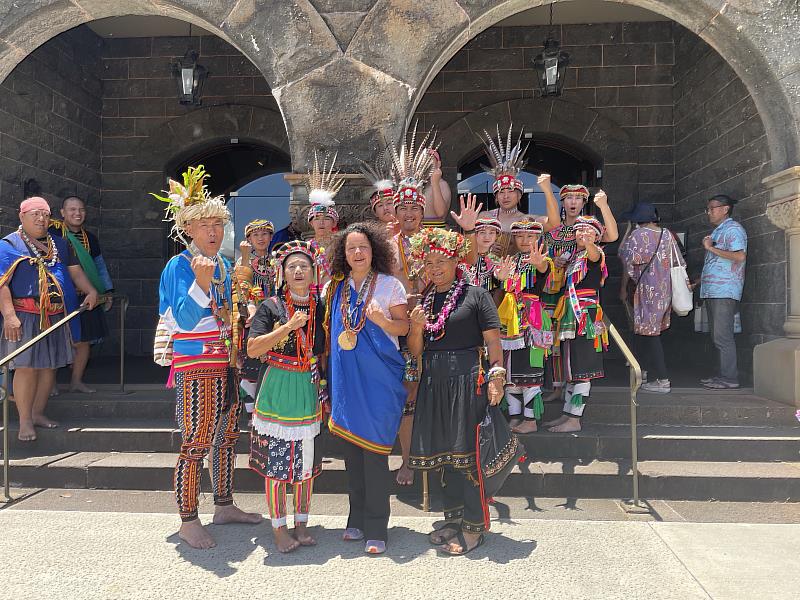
[(448, 411)]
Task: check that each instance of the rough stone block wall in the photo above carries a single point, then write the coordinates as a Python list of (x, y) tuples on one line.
[(721, 147), (139, 99), (50, 108), (623, 71)]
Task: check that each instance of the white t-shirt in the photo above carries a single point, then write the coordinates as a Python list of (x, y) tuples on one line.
[(389, 292)]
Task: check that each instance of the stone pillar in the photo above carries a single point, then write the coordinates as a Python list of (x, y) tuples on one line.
[(776, 364), (352, 201)]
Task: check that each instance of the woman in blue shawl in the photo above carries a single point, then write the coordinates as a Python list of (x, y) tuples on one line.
[(366, 312)]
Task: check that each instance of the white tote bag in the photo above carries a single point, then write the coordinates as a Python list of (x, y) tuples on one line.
[(682, 300)]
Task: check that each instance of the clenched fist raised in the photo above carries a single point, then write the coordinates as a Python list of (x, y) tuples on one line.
[(203, 269)]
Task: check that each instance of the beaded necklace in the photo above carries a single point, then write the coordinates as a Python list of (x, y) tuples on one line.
[(349, 337), (435, 325), (304, 343), (48, 258)]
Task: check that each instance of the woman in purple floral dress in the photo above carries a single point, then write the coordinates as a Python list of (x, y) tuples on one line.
[(645, 253)]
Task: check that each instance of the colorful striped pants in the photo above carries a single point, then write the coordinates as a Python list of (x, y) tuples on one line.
[(276, 501), (207, 426)]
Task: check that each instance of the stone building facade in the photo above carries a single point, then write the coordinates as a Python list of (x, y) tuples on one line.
[(674, 110)]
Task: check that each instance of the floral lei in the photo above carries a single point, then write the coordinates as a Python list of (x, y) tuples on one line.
[(435, 325)]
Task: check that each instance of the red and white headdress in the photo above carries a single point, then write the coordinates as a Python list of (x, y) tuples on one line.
[(285, 250), (507, 161), (323, 184), (379, 174), (581, 190), (526, 225), (412, 167), (488, 222), (586, 222)]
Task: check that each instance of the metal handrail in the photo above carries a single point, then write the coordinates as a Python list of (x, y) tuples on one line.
[(635, 504), (4, 390), (123, 312)]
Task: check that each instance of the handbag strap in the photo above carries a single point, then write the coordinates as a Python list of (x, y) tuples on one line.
[(674, 254), (655, 252)]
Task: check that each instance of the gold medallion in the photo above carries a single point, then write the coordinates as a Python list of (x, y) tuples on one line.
[(347, 339)]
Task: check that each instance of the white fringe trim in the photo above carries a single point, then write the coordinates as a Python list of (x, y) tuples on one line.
[(512, 344), (283, 432)]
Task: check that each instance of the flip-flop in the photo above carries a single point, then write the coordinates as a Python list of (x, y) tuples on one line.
[(463, 542), (375, 547), (352, 534), (455, 527)]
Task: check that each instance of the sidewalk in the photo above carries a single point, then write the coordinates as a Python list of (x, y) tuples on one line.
[(73, 554)]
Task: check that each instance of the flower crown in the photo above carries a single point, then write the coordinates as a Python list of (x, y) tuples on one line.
[(190, 201), (436, 239)]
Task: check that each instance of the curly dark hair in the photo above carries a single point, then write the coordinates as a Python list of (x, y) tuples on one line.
[(382, 255)]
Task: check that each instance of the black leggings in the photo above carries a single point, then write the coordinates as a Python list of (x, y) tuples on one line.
[(651, 353)]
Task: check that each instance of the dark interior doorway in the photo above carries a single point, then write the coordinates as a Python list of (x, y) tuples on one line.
[(565, 162)]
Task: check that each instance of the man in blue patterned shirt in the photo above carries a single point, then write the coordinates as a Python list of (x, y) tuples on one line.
[(721, 285)]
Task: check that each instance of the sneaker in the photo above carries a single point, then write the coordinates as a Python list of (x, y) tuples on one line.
[(659, 386), (721, 384), (707, 380)]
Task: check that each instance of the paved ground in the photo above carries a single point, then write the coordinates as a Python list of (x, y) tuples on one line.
[(73, 544)]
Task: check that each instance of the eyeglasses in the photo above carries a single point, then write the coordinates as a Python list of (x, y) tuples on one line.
[(38, 214), (712, 207)]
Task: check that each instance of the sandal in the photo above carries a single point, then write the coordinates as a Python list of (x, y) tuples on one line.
[(463, 543), (454, 527), (719, 384)]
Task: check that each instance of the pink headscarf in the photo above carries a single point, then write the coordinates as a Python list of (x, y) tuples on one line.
[(34, 203)]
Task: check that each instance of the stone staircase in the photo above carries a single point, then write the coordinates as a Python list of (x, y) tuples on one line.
[(693, 445)]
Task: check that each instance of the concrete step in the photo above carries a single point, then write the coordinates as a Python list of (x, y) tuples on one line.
[(596, 442), (667, 480), (607, 405)]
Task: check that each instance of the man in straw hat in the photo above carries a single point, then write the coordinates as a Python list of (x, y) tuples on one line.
[(195, 304)]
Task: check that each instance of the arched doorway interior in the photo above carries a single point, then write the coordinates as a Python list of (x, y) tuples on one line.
[(564, 161)]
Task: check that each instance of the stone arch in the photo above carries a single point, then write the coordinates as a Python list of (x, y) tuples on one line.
[(579, 125), (749, 45), (208, 126)]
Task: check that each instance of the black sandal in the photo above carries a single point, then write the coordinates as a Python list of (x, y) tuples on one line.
[(463, 542), (455, 527)]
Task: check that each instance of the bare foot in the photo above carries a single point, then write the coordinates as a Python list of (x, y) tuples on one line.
[(194, 534), (571, 424), (27, 433), (553, 396), (514, 422), (233, 514), (301, 535), (527, 426), (405, 476), (44, 422), (285, 542), (54, 391), (81, 388), (556, 422)]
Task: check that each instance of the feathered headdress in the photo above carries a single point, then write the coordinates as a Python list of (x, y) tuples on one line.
[(412, 166), (506, 160), (443, 241), (190, 201), (379, 174), (323, 184)]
